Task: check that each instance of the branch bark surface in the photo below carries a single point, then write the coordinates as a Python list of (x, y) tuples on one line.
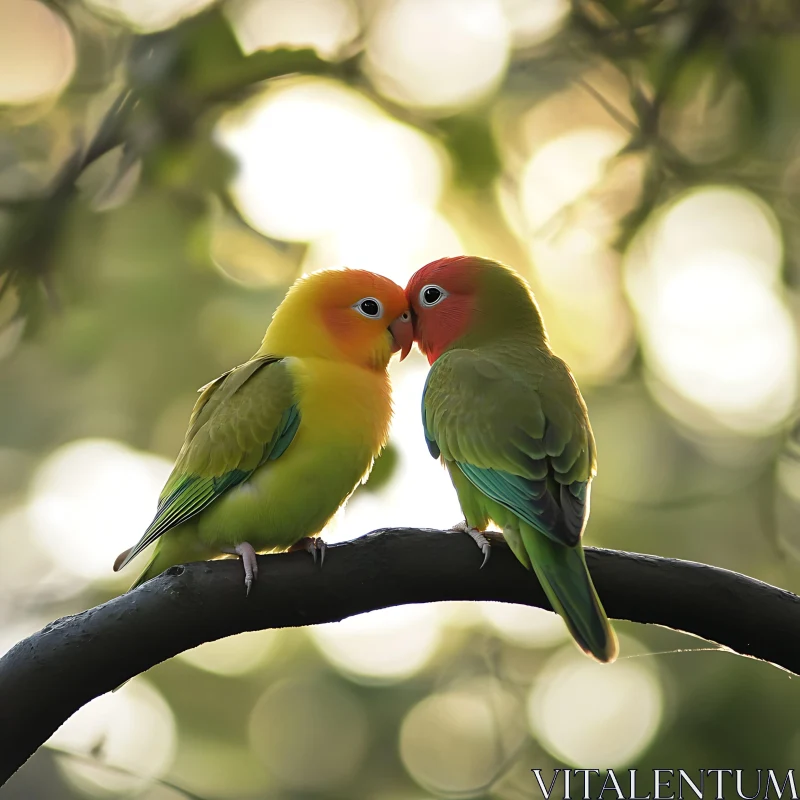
[(47, 677)]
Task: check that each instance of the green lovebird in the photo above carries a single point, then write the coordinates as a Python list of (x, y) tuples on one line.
[(507, 419)]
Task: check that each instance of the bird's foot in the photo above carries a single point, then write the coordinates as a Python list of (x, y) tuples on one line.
[(477, 537), (249, 562), (313, 545)]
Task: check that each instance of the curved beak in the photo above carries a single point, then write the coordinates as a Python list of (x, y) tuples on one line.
[(402, 332)]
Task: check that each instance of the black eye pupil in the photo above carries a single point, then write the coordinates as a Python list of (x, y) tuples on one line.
[(431, 295), (370, 308)]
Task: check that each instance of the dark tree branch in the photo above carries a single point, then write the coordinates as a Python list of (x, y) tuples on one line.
[(47, 677)]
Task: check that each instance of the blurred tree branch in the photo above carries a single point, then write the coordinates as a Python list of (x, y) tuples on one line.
[(176, 83), (47, 677)]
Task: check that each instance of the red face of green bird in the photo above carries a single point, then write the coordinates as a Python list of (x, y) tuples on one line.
[(442, 298)]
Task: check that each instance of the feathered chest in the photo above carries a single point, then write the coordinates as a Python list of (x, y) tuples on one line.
[(342, 403)]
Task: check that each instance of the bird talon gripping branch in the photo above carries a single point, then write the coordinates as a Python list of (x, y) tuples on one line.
[(478, 537), (312, 545), (249, 562)]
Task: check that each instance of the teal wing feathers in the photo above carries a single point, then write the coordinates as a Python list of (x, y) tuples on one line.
[(516, 426), (241, 420), (433, 448)]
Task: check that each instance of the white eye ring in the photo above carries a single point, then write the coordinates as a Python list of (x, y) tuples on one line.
[(425, 289), (368, 312)]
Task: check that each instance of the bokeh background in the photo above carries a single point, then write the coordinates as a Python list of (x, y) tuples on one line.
[(169, 167)]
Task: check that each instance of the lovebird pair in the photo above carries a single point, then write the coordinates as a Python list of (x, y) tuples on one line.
[(278, 444)]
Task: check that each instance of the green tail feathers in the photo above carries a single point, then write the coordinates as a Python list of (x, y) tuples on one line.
[(167, 552), (565, 579), (155, 567)]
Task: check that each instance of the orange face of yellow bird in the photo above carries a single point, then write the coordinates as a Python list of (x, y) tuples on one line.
[(367, 316), (342, 315)]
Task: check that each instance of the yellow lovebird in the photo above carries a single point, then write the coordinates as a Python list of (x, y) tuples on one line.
[(276, 445)]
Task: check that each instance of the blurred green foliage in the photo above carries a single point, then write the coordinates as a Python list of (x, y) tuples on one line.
[(113, 311)]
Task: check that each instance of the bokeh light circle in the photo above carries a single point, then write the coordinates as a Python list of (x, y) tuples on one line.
[(725, 341), (714, 218), (25, 566), (454, 741), (524, 626), (310, 734), (325, 25), (438, 54), (703, 280), (564, 170), (37, 52), (90, 500), (393, 245), (233, 655), (588, 713), (149, 16), (382, 646), (316, 156), (532, 23), (563, 213), (134, 730)]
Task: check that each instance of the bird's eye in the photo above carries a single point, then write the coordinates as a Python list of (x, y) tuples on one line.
[(369, 307), (431, 295)]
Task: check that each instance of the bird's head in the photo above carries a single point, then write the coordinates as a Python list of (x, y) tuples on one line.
[(465, 301), (345, 315)]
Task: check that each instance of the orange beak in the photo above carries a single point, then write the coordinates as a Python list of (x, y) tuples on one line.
[(402, 334)]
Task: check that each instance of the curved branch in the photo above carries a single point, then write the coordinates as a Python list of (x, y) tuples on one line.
[(47, 677)]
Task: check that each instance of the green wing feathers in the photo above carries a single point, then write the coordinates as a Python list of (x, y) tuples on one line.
[(515, 426), (518, 429), (243, 419)]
